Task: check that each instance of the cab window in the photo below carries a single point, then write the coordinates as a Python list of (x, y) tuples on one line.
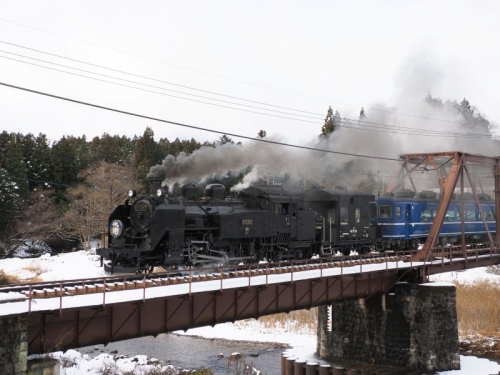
[(281, 208), (344, 219)]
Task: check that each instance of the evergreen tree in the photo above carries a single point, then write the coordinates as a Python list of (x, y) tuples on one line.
[(36, 157), (225, 139), (329, 125), (435, 102), (64, 166), (145, 157), (362, 115), (176, 147), (261, 134), (13, 180), (163, 148)]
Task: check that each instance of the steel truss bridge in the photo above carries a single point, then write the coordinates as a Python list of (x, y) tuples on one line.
[(80, 313)]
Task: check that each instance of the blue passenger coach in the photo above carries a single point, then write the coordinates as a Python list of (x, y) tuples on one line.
[(403, 221)]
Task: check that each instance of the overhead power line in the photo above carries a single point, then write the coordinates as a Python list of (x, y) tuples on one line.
[(348, 123), (225, 77), (142, 84), (157, 80), (192, 126)]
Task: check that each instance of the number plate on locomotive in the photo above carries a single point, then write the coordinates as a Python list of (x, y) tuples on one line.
[(247, 222), (141, 207)]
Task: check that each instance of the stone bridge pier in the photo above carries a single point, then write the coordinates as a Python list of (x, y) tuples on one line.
[(414, 326), (13, 345)]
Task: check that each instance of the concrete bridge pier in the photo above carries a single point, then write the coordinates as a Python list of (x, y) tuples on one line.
[(414, 326)]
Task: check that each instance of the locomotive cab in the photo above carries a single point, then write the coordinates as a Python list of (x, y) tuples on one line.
[(343, 220)]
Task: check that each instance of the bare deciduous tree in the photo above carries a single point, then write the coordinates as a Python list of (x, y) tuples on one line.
[(105, 186)]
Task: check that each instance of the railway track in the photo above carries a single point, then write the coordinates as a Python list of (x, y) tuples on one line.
[(140, 281)]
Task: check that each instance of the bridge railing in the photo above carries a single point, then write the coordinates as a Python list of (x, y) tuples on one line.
[(62, 289)]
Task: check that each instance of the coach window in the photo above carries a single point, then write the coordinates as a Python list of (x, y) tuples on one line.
[(470, 213), (398, 212), (385, 212), (343, 216), (488, 213), (277, 208), (452, 215), (425, 215)]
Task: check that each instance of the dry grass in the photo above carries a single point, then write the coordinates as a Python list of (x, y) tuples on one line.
[(36, 266), (8, 279), (478, 308), (295, 321)]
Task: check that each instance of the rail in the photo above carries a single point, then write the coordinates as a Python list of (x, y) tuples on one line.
[(442, 255)]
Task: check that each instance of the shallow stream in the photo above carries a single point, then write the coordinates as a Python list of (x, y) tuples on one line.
[(193, 352)]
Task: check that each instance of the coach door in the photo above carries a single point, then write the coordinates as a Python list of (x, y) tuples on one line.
[(331, 224)]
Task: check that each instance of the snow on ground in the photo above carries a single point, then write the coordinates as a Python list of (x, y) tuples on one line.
[(66, 266), (82, 264), (303, 341), (76, 363), (470, 276)]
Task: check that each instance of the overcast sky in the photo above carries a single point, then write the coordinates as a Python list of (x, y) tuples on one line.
[(298, 55)]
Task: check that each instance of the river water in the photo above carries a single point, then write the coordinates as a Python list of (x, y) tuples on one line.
[(192, 352), (195, 352)]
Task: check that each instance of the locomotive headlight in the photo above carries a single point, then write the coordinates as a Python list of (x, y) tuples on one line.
[(132, 193), (116, 228), (159, 192)]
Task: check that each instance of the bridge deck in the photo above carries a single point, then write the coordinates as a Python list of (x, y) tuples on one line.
[(154, 305)]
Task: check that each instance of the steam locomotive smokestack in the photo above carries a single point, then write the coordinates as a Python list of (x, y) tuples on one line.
[(154, 183)]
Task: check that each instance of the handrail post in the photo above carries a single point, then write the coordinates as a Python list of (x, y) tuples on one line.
[(60, 298), (267, 272), (190, 279), (30, 293), (221, 281), (144, 288)]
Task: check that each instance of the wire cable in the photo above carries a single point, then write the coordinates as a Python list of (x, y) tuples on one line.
[(155, 79), (225, 77), (192, 126), (354, 123)]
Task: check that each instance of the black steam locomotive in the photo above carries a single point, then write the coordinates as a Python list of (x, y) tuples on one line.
[(259, 223)]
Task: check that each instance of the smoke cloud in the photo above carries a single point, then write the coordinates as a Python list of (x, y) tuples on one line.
[(412, 125)]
